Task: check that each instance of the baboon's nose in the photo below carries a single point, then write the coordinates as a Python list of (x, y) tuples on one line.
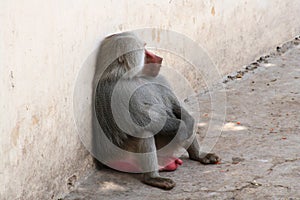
[(159, 59), (152, 58)]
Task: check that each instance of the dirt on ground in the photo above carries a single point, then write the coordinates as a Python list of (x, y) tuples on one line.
[(259, 144)]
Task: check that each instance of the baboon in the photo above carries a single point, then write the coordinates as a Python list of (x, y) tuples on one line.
[(139, 113)]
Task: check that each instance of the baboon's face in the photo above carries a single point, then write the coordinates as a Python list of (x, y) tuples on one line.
[(152, 64)]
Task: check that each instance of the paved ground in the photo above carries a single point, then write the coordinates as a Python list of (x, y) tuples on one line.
[(259, 145)]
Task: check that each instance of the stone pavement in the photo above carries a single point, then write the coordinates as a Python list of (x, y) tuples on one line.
[(259, 145)]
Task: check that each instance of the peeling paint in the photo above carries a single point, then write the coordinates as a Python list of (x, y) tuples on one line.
[(35, 120), (15, 134), (11, 76), (158, 36), (153, 34), (213, 12), (51, 109)]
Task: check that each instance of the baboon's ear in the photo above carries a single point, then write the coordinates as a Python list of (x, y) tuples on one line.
[(121, 59)]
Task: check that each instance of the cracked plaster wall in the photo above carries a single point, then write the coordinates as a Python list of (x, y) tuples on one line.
[(43, 44)]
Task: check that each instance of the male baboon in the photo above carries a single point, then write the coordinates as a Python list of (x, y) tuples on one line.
[(139, 113)]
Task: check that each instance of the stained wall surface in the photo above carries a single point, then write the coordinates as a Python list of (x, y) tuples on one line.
[(44, 43)]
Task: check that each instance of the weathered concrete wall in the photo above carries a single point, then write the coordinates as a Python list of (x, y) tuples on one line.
[(44, 43)]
